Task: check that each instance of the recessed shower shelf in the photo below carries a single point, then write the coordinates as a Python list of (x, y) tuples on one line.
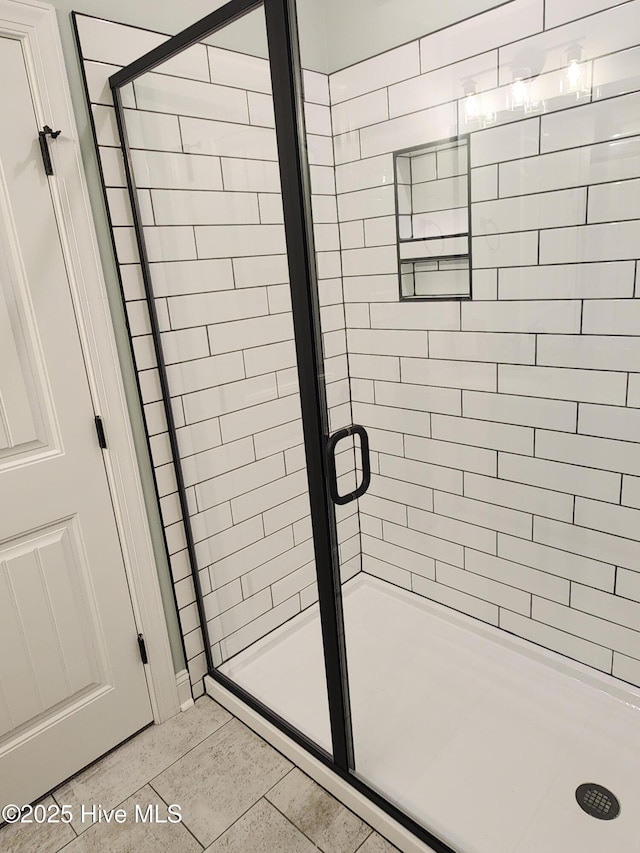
[(442, 277), (432, 213)]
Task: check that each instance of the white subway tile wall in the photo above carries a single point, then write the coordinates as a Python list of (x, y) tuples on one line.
[(204, 158), (505, 429)]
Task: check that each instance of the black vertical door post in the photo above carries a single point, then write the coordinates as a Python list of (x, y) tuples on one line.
[(286, 77)]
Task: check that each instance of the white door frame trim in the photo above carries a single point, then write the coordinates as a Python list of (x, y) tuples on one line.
[(34, 24)]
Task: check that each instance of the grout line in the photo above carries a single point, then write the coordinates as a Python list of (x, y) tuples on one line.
[(182, 822), (315, 784), (586, 211), (208, 55), (457, 103), (275, 784), (297, 828), (373, 190), (360, 846), (184, 754), (244, 813)]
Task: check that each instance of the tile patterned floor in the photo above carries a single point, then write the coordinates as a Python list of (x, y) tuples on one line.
[(237, 794)]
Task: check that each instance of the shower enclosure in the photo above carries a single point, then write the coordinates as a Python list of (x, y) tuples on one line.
[(382, 291)]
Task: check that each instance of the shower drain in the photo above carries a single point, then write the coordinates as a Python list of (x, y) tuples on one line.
[(597, 801)]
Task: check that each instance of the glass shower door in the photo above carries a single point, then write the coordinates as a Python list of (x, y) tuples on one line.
[(217, 241)]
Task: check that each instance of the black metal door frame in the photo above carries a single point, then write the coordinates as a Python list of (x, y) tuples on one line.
[(286, 76)]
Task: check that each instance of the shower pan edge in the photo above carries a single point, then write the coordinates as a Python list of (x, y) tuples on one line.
[(342, 789), (562, 664)]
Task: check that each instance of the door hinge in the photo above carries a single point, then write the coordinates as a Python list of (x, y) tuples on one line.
[(102, 438), (44, 147), (143, 649)]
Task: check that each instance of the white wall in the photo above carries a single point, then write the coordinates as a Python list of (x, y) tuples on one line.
[(357, 29), (505, 430)]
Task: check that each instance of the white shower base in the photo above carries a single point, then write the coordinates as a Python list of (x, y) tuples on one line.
[(481, 737)]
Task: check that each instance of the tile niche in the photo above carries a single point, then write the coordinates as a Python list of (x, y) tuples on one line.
[(433, 221)]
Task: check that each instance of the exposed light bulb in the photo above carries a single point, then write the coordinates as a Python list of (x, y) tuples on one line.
[(574, 73), (519, 93), (576, 78), (472, 101), (472, 107)]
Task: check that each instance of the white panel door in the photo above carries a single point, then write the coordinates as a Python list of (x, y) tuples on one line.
[(72, 684)]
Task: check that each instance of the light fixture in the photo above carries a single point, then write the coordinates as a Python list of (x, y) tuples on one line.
[(519, 93), (477, 108), (575, 77), (519, 97), (489, 117), (472, 103), (574, 72)]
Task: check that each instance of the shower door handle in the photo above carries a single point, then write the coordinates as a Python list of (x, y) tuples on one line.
[(333, 440)]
